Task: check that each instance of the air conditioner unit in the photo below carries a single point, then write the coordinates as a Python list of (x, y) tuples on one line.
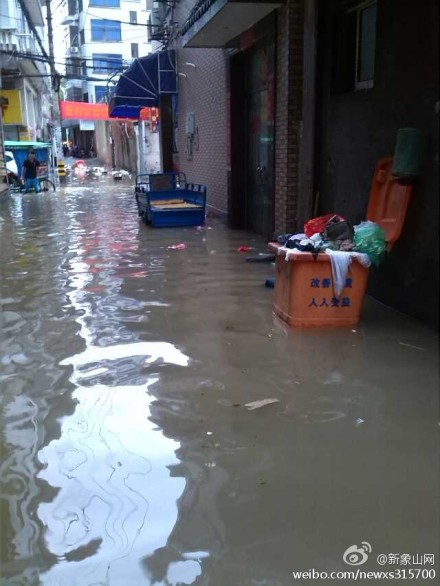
[(74, 50)]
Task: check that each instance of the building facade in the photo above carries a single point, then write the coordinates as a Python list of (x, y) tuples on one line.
[(25, 88), (285, 107), (102, 39)]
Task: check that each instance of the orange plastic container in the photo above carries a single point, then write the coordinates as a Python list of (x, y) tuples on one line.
[(303, 294), (304, 291)]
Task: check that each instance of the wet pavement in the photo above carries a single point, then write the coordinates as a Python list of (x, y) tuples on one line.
[(128, 457)]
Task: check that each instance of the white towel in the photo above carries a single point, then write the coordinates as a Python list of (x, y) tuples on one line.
[(341, 262)]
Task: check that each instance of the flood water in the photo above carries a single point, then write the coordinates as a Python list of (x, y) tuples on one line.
[(128, 457)]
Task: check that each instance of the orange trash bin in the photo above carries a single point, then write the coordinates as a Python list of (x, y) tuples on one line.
[(303, 293)]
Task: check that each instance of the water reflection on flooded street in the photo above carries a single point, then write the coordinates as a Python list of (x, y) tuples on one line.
[(128, 457)]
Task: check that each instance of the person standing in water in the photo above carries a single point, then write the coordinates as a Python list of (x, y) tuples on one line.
[(29, 173)]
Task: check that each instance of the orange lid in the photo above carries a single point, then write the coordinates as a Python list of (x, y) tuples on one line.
[(388, 201)]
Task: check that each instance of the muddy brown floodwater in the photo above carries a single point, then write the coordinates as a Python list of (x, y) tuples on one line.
[(128, 457)]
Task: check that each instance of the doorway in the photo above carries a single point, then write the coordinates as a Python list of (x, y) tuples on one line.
[(260, 147), (252, 143)]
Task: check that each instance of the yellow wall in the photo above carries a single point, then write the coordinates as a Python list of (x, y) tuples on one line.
[(13, 114)]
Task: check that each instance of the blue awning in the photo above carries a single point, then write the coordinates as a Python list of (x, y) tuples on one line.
[(142, 83)]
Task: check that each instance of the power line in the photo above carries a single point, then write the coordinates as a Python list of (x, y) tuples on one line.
[(66, 76), (69, 61)]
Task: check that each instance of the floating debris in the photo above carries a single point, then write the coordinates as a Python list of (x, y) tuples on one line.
[(258, 404), (411, 346)]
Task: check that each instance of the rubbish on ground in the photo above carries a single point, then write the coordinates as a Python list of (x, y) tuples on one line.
[(262, 481), (270, 283), (359, 421), (78, 163), (257, 404), (370, 239), (244, 248), (261, 257), (411, 346), (180, 246)]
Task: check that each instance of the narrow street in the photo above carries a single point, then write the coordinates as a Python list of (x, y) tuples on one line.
[(128, 456)]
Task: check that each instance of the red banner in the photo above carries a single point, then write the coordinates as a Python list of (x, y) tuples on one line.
[(86, 111)]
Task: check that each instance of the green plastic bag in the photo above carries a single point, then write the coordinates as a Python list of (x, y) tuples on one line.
[(370, 238)]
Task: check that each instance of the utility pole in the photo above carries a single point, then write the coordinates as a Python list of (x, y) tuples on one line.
[(55, 86)]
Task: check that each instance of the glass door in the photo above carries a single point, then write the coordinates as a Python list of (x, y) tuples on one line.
[(261, 146)]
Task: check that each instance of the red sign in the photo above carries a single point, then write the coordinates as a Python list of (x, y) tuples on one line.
[(86, 111)]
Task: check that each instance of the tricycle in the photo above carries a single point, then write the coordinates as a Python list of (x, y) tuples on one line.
[(167, 200), (16, 152)]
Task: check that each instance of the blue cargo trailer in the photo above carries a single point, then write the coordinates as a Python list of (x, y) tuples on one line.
[(167, 200)]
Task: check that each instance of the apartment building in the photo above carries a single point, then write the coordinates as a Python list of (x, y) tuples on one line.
[(25, 89), (102, 38)]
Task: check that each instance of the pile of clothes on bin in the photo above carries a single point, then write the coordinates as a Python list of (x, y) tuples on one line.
[(332, 234)]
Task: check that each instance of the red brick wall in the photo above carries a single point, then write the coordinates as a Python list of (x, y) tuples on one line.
[(203, 92), (288, 114)]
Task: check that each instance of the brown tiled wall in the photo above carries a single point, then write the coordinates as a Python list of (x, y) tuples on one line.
[(288, 113), (203, 92)]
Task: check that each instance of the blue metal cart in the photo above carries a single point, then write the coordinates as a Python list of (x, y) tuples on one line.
[(167, 200)]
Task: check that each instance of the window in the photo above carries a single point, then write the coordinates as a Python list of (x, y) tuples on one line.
[(354, 48), (134, 50), (105, 30), (74, 94), (106, 62), (133, 17), (366, 46), (73, 35), (105, 3), (100, 93), (73, 67)]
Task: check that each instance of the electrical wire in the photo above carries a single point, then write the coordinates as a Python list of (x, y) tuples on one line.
[(95, 16), (68, 61)]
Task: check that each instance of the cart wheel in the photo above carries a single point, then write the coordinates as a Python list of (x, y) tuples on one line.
[(47, 185)]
